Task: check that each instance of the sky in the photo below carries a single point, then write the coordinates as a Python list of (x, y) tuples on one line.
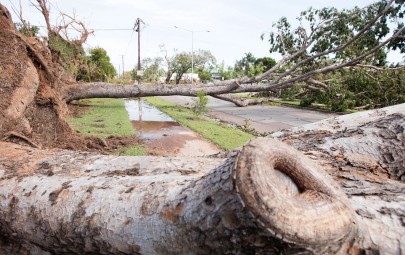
[(235, 26)]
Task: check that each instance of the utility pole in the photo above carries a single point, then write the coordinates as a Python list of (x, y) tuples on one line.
[(137, 28), (123, 73)]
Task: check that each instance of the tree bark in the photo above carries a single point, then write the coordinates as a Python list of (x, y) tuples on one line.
[(265, 199), (238, 101), (365, 153), (101, 89), (74, 203)]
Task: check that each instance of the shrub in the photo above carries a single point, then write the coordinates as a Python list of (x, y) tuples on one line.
[(200, 103)]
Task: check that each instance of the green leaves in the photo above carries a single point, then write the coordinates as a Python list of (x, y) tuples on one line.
[(96, 66), (181, 62), (250, 66), (200, 103), (27, 29), (325, 31)]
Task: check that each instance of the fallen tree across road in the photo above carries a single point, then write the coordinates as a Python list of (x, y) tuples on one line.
[(267, 198)]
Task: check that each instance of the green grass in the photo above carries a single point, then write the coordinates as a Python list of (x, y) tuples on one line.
[(135, 150), (222, 135), (104, 118)]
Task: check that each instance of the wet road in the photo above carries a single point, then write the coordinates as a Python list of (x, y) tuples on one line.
[(263, 118)]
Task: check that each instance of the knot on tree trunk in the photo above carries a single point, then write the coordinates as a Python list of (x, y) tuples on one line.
[(292, 197)]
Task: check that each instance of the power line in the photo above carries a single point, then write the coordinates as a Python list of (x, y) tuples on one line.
[(110, 29), (97, 29), (129, 43)]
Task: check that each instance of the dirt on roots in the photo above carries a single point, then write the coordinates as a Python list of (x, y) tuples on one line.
[(32, 111)]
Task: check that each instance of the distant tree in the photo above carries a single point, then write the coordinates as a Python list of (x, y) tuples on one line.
[(246, 66), (204, 74), (250, 66), (227, 72), (97, 66), (264, 64), (153, 69), (181, 62)]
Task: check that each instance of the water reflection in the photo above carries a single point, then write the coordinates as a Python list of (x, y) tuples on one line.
[(146, 112), (163, 136), (148, 126)]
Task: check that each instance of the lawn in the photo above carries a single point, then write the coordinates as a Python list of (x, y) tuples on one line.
[(104, 118)]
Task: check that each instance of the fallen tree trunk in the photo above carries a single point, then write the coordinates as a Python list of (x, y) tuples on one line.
[(269, 199), (107, 90), (365, 153), (69, 202), (238, 101)]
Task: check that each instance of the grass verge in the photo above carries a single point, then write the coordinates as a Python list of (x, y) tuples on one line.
[(222, 135), (134, 150), (104, 118)]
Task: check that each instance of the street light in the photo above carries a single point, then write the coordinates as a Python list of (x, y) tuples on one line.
[(192, 47)]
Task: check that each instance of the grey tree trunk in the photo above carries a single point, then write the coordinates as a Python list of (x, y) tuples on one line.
[(365, 153), (268, 198), (238, 101), (101, 89)]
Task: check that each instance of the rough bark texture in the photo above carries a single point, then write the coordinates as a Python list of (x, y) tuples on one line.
[(102, 89), (238, 101), (269, 199), (67, 202), (365, 153)]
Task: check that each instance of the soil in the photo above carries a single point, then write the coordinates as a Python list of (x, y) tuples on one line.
[(31, 110)]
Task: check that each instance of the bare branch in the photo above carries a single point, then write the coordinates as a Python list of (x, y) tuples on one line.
[(84, 32), (304, 47), (324, 53), (312, 88), (341, 47), (317, 83), (44, 9), (380, 68)]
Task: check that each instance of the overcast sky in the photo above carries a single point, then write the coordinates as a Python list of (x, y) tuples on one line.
[(235, 26)]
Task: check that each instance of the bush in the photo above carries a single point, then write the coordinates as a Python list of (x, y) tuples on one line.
[(200, 103)]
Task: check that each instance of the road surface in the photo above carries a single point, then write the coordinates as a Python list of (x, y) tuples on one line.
[(263, 118)]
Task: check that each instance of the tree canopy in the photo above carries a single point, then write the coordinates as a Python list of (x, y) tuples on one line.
[(97, 66), (153, 69), (251, 66), (181, 62)]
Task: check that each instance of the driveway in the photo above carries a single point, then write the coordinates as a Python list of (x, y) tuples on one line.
[(263, 118)]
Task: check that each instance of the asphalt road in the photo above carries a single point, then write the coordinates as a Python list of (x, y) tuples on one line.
[(263, 118)]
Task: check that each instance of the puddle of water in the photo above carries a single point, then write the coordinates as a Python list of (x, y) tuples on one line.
[(146, 112), (148, 126), (162, 135)]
